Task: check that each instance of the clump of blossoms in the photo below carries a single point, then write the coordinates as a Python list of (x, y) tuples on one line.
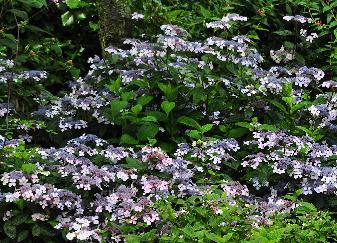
[(324, 111), (226, 21), (298, 157), (297, 18)]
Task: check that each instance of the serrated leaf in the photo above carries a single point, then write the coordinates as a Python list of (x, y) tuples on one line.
[(9, 229), (19, 219)]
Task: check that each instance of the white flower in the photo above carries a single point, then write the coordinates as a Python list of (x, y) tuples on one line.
[(137, 16)]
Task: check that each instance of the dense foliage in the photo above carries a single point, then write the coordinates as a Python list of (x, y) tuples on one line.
[(214, 122)]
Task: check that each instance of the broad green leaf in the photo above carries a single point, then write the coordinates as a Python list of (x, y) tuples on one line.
[(9, 229), (23, 235), (19, 219), (34, 3), (137, 108), (134, 164), (237, 132), (19, 13), (67, 18), (207, 128), (117, 105), (28, 168), (244, 124), (194, 134), (36, 230), (128, 139), (278, 105), (145, 99), (188, 121), (167, 106), (149, 119), (268, 127), (73, 3), (147, 131)]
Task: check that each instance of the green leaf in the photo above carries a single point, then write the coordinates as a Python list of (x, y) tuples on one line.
[(237, 132), (289, 100), (300, 105), (244, 124), (133, 239), (167, 106), (278, 105), (145, 99), (300, 58), (19, 219), (205, 12), (114, 85), (36, 231), (287, 89), (206, 128), (305, 207), (160, 116), (81, 16), (128, 139), (18, 13), (147, 131), (217, 238), (23, 235), (194, 134), (73, 3), (268, 127), (67, 18), (28, 168), (134, 164), (126, 96), (9, 229), (149, 119), (283, 32), (137, 108), (166, 88), (117, 105), (188, 121), (34, 3), (20, 203), (289, 45)]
